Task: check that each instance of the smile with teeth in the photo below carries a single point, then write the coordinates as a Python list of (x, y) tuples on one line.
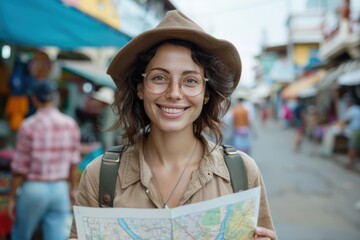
[(172, 110)]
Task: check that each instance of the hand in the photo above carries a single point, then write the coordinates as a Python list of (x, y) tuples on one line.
[(11, 208), (262, 233)]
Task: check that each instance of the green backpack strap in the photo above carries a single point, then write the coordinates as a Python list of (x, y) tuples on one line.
[(111, 161), (109, 167), (236, 167)]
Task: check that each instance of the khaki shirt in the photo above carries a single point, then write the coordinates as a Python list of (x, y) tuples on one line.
[(135, 189)]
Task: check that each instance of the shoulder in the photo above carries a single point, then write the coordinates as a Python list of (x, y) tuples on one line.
[(65, 118), (28, 124), (92, 170), (252, 170), (94, 166)]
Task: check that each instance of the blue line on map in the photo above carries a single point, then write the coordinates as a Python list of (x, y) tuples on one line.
[(221, 234), (124, 225)]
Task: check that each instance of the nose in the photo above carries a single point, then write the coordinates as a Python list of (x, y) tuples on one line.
[(174, 91)]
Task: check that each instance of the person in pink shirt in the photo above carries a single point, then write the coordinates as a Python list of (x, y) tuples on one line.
[(45, 162)]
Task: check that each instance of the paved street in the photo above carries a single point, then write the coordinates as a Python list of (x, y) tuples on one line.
[(311, 198)]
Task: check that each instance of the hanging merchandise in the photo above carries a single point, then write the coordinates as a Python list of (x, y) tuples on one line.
[(17, 104), (40, 65), (28, 68), (16, 109), (18, 83), (4, 77)]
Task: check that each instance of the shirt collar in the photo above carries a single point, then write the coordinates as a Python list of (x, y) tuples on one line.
[(133, 160), (47, 109), (213, 163)]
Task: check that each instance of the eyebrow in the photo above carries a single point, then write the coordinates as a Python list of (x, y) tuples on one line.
[(168, 72), (160, 69)]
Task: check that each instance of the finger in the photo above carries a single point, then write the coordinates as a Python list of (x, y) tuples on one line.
[(264, 232)]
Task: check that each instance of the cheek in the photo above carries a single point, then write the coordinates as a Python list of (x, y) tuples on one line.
[(199, 104), (148, 101)]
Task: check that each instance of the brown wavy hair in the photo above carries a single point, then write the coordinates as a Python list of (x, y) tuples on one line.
[(130, 110)]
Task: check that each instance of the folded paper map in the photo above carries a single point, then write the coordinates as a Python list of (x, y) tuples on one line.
[(232, 216)]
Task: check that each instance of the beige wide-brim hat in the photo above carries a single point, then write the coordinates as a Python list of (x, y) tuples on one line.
[(175, 25), (104, 94)]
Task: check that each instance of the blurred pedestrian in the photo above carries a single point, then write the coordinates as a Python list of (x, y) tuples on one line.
[(299, 118), (286, 114), (242, 127), (351, 123), (173, 84), (264, 111), (45, 162), (312, 123)]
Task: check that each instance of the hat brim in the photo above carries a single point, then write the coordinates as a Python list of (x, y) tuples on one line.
[(105, 95), (223, 49)]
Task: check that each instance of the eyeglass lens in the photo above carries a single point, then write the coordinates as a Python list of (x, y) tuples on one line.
[(191, 84)]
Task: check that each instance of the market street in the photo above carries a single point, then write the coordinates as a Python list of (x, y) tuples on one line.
[(310, 197)]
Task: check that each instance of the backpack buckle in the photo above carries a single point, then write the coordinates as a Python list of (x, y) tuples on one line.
[(229, 150), (111, 157)]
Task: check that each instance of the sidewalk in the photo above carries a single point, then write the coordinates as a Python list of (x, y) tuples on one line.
[(339, 158), (308, 193), (342, 160), (313, 148)]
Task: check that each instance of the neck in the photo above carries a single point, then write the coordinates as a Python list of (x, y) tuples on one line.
[(39, 104), (173, 148), (46, 105)]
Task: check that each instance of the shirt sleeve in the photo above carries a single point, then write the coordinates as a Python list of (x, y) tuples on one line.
[(21, 161), (88, 192), (76, 158), (255, 179)]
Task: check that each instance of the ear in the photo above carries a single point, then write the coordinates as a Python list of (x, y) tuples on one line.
[(140, 91), (206, 99)]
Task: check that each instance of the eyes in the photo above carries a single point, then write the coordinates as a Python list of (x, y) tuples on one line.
[(191, 80), (191, 84)]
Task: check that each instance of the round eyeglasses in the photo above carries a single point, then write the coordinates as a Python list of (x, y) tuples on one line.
[(191, 84)]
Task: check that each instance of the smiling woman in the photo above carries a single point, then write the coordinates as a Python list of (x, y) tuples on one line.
[(176, 79)]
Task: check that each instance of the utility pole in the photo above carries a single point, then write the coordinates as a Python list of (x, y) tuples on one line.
[(290, 43)]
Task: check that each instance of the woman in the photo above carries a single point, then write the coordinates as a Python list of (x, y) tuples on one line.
[(173, 83)]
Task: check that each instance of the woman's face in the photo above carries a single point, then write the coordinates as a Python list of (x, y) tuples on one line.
[(172, 110)]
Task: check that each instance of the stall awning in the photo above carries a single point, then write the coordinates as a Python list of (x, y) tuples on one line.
[(301, 86), (89, 71), (350, 79), (308, 92), (39, 23), (331, 79)]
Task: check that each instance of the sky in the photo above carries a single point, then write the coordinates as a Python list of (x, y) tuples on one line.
[(245, 23)]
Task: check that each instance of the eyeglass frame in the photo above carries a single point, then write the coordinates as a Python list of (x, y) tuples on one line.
[(144, 75)]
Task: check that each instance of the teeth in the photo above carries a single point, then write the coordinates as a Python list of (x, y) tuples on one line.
[(172, 110)]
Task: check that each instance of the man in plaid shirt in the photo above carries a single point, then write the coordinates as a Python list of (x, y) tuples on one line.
[(47, 154)]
